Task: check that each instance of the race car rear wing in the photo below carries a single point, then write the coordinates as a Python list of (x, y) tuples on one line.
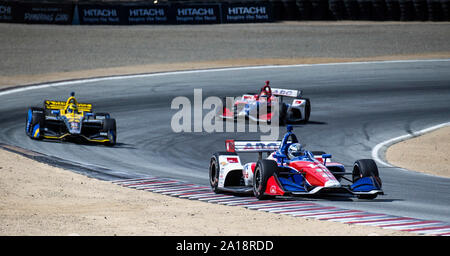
[(252, 146), (287, 92), (59, 105)]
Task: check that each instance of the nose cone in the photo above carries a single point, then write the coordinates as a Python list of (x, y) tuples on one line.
[(74, 128), (332, 184)]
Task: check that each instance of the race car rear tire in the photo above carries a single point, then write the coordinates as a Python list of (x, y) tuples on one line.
[(282, 115), (109, 126), (307, 111), (35, 116), (366, 168), (263, 171)]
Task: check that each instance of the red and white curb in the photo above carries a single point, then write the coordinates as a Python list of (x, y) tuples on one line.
[(295, 208)]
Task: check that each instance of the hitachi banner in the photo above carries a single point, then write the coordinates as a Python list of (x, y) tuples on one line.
[(147, 14), (196, 14), (92, 14), (238, 13)]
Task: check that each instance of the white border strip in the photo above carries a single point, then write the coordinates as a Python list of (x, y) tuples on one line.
[(383, 145)]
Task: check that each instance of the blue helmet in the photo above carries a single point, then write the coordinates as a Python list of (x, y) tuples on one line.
[(295, 150)]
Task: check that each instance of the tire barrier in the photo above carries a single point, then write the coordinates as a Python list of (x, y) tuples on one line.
[(365, 9), (291, 12), (392, 10), (337, 8), (379, 10), (216, 12), (406, 10), (305, 9), (434, 10), (420, 9), (445, 7), (352, 9), (320, 10)]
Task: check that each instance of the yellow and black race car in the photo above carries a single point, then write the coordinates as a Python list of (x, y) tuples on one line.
[(70, 120)]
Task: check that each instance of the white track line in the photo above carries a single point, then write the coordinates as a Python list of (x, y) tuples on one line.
[(376, 150)]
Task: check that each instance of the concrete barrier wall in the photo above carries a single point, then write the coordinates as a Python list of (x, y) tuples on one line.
[(216, 12)]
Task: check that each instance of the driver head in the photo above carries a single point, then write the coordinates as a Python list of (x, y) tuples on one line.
[(72, 108), (295, 150)]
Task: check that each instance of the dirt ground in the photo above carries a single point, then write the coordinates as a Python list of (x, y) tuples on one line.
[(433, 146), (37, 199)]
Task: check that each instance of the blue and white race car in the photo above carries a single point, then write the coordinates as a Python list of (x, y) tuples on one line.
[(289, 170)]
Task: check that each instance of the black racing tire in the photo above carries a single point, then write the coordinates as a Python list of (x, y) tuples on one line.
[(307, 111), (366, 168), (282, 115), (263, 171), (109, 126), (37, 117), (214, 170)]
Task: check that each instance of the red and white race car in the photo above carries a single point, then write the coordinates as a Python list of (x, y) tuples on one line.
[(249, 106), (289, 170)]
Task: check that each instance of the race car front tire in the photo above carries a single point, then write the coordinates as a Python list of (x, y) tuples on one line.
[(263, 171), (366, 168), (35, 123), (109, 126), (214, 170)]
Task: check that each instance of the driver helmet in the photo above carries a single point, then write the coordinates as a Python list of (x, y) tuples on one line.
[(295, 150), (265, 90), (72, 108)]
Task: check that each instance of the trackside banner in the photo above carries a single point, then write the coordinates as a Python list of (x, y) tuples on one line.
[(36, 13), (8, 12), (196, 14), (146, 14), (246, 13), (136, 14), (94, 14), (123, 13)]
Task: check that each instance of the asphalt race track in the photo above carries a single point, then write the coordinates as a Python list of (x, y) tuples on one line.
[(354, 107)]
